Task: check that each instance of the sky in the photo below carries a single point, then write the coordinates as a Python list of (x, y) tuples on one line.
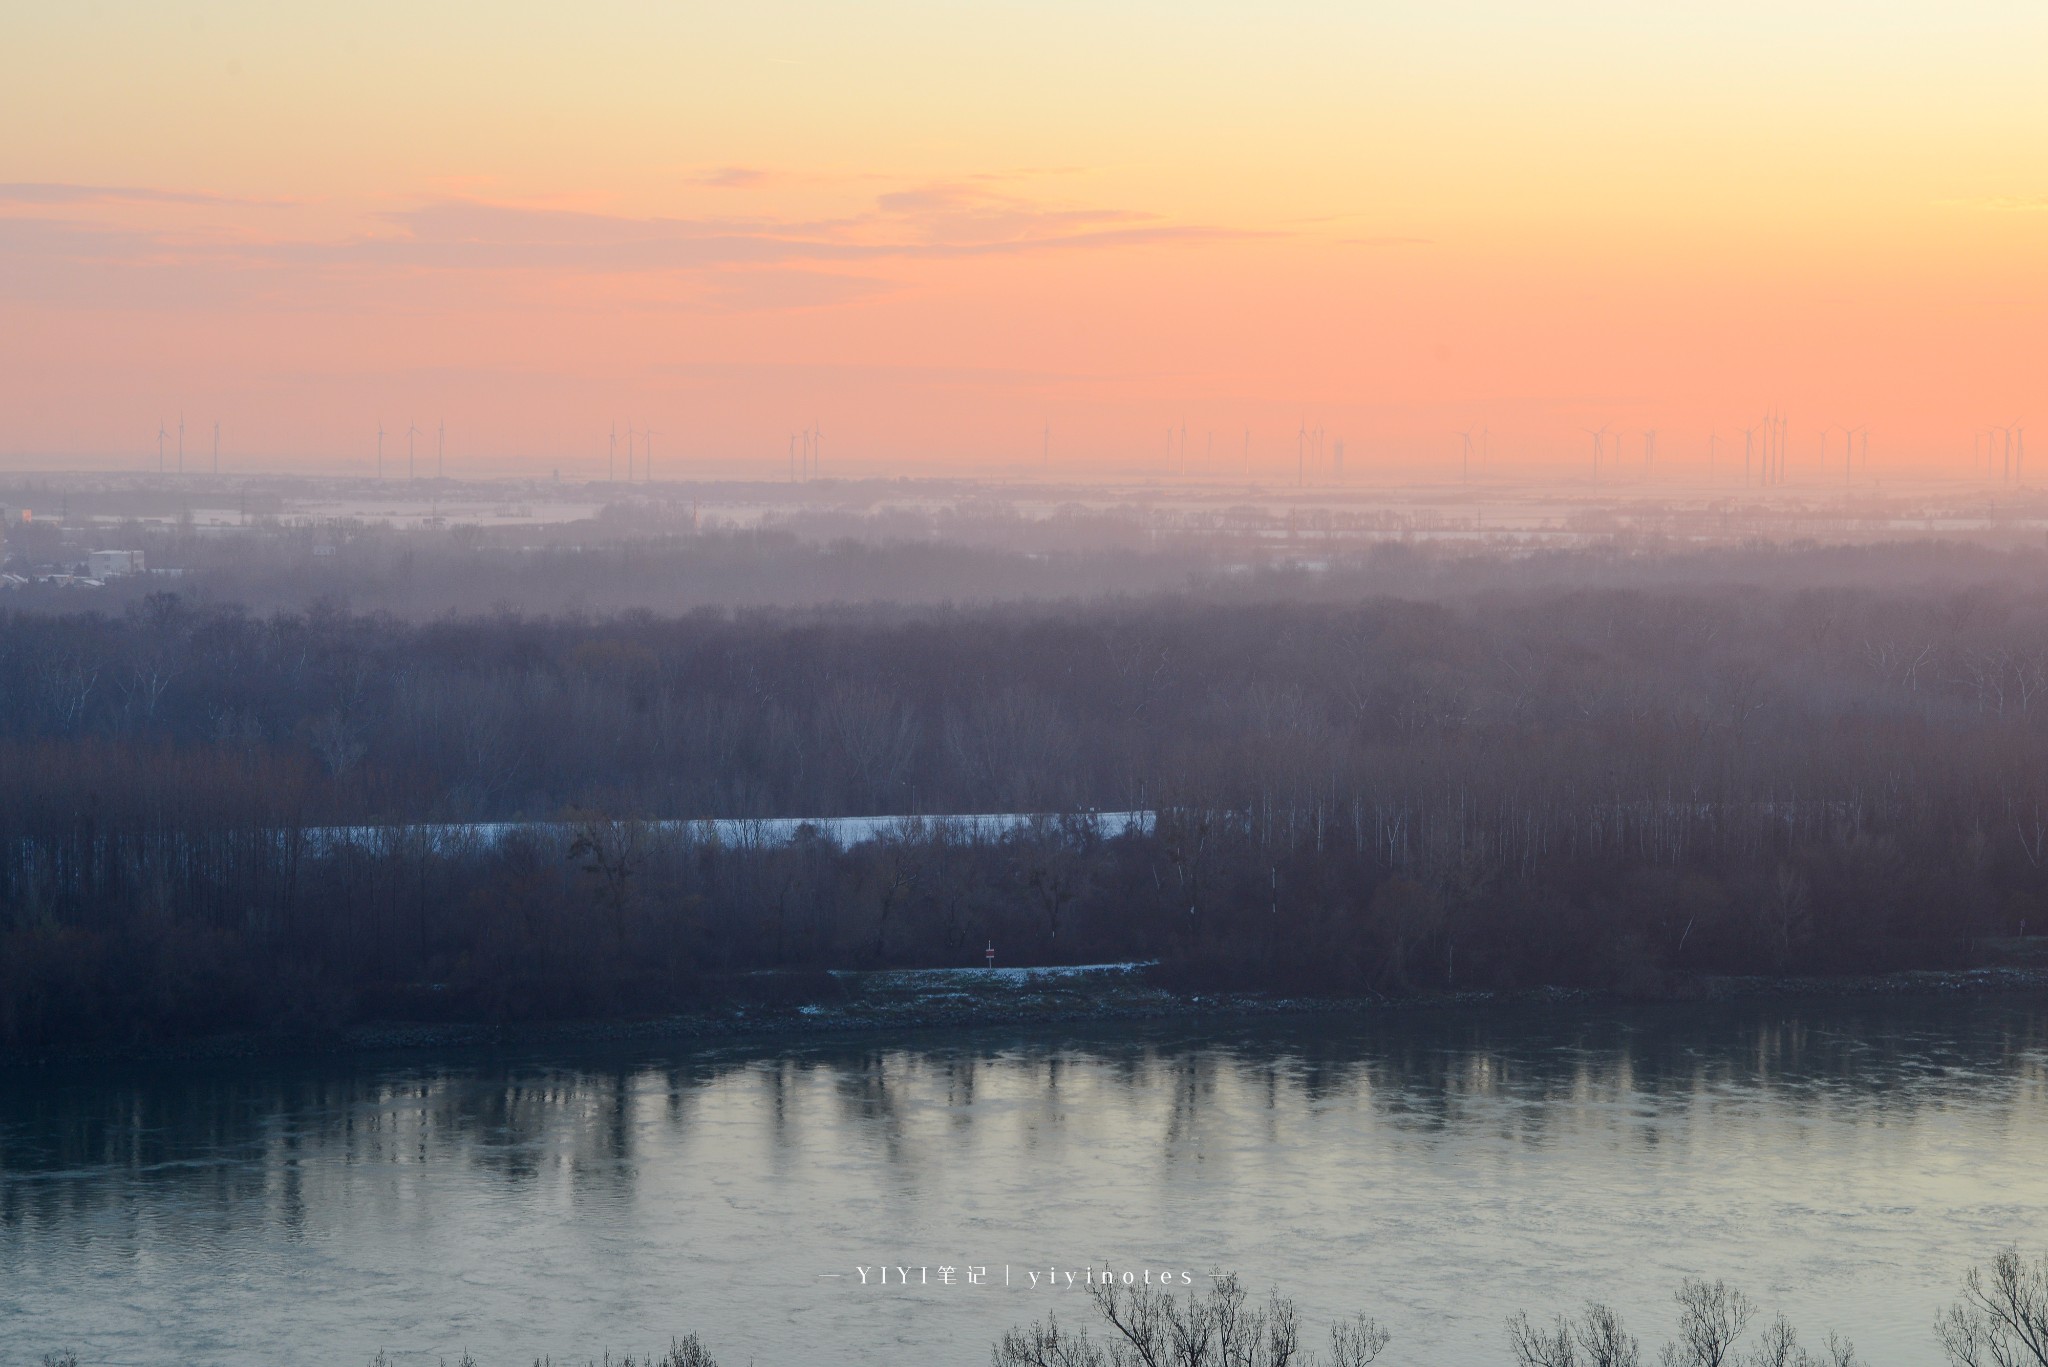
[(998, 237)]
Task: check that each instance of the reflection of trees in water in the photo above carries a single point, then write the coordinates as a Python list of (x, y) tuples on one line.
[(249, 1141), (232, 1140)]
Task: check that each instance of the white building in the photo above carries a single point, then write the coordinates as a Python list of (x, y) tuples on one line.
[(107, 564)]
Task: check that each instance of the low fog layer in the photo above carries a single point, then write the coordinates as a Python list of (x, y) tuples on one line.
[(435, 548)]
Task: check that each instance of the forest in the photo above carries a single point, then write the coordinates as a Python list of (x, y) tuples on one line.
[(1397, 778)]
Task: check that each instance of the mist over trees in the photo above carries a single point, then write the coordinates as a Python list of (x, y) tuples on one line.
[(1527, 778), (815, 546)]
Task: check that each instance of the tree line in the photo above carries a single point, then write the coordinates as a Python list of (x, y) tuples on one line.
[(1556, 783)]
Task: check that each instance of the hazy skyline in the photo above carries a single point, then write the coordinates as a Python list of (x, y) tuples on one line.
[(939, 230)]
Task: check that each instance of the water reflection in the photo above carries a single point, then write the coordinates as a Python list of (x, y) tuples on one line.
[(1846, 1160)]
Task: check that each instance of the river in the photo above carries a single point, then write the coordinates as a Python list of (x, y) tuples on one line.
[(1842, 1161)]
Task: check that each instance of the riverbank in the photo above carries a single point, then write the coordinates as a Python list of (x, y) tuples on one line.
[(970, 998)]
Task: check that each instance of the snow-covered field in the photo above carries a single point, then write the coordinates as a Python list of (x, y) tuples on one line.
[(843, 831)]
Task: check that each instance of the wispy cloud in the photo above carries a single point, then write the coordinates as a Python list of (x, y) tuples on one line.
[(58, 192), (728, 261)]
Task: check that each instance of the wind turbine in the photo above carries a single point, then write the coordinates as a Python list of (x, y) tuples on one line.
[(1599, 436), (162, 434), (1848, 449), (1998, 446), (629, 453), (1467, 438), (647, 463), (611, 455)]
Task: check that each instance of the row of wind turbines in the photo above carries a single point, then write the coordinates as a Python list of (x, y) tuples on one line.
[(804, 448), (1766, 450), (163, 434), (2003, 451), (411, 461), (641, 441), (1999, 451)]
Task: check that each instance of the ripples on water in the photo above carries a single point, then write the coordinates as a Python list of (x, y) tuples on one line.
[(1843, 1162)]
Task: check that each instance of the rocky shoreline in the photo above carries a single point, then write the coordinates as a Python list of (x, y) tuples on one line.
[(930, 999)]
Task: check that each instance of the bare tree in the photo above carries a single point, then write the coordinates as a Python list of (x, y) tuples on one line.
[(1711, 1317), (1213, 1328), (1779, 1347), (1604, 1341), (1599, 1335), (611, 853), (1535, 1346), (2001, 1320), (1046, 1345), (336, 741)]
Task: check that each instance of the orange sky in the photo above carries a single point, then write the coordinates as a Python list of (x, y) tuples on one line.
[(939, 229)]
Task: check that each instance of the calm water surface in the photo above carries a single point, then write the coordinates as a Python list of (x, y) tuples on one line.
[(1842, 1162)]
